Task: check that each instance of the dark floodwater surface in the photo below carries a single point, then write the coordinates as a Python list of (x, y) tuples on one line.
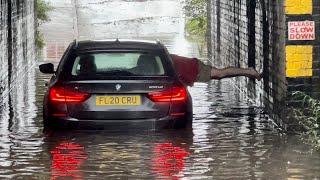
[(230, 139)]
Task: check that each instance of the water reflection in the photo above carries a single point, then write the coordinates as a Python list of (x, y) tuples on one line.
[(67, 157), (20, 133), (168, 160), (121, 154), (230, 139)]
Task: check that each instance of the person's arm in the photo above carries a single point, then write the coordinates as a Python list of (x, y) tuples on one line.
[(207, 72), (192, 70), (234, 72)]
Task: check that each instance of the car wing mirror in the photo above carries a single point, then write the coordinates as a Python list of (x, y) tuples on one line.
[(47, 68)]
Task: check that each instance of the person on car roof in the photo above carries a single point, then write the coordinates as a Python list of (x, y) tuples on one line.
[(191, 70)]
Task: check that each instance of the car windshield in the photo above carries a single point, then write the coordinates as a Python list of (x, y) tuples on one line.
[(118, 64)]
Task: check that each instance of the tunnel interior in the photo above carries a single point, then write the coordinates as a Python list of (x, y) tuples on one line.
[(232, 136)]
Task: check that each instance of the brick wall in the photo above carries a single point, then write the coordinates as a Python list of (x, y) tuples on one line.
[(280, 38), (302, 47), (16, 42), (3, 46), (248, 33)]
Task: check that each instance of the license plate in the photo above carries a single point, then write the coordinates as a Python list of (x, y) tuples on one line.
[(118, 100)]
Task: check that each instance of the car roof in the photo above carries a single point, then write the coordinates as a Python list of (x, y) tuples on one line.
[(113, 44)]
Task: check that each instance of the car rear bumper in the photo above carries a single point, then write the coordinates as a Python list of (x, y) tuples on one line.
[(148, 124)]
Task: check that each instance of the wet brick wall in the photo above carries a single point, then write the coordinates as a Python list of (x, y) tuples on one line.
[(303, 48), (302, 55), (248, 33), (3, 46), (16, 42)]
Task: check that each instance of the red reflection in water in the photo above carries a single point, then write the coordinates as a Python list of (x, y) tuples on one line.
[(66, 160), (169, 160)]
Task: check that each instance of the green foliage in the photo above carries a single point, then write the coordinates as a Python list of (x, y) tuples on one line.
[(39, 40), (196, 8), (196, 12), (309, 117), (42, 9), (197, 27)]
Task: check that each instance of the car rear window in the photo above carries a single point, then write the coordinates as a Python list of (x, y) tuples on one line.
[(118, 64)]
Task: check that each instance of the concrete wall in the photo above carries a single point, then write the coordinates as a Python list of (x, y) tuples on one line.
[(16, 42), (248, 33)]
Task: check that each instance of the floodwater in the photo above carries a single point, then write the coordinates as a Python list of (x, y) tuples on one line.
[(230, 139)]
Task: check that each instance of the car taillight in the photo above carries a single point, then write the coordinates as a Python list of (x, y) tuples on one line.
[(65, 95), (171, 95)]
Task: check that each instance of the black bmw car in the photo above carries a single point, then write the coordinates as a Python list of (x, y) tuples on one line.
[(114, 82)]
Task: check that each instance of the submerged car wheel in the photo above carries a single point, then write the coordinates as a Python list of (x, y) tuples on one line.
[(50, 123), (45, 118), (185, 122)]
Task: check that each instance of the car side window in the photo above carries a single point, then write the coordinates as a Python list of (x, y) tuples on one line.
[(76, 67), (159, 63)]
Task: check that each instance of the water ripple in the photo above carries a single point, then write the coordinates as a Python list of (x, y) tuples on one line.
[(231, 139)]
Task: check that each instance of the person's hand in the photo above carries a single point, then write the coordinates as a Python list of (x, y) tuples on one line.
[(254, 74)]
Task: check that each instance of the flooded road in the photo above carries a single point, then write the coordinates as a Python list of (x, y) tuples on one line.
[(231, 139)]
